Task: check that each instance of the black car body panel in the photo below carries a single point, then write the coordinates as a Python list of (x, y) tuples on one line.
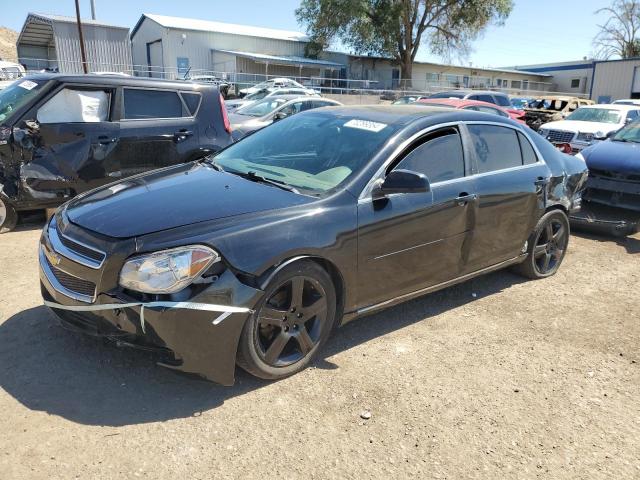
[(44, 164), (377, 250), (611, 200)]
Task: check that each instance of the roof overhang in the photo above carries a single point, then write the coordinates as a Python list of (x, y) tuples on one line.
[(284, 60)]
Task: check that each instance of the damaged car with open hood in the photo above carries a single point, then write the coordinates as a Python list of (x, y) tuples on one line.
[(61, 135), (551, 109), (252, 256)]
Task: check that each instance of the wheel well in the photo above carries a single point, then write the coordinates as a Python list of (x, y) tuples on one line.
[(557, 206), (326, 265), (338, 282)]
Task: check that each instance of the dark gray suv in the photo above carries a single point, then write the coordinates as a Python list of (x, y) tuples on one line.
[(62, 135)]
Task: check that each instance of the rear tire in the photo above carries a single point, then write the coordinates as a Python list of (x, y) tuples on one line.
[(8, 216), (547, 246), (291, 323)]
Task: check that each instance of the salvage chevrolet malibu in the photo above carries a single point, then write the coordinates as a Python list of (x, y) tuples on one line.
[(253, 256)]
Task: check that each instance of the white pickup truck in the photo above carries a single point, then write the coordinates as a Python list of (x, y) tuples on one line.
[(10, 72)]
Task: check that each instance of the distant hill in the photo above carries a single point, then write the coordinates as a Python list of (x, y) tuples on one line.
[(8, 44)]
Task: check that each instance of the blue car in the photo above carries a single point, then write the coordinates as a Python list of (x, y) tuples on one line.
[(611, 201)]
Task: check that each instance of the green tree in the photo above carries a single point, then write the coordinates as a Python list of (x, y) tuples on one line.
[(397, 28), (618, 37)]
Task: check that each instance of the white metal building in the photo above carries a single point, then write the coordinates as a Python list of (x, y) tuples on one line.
[(570, 77), (615, 80), (52, 42), (173, 46)]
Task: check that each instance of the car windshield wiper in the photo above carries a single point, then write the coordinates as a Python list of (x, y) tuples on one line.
[(254, 177)]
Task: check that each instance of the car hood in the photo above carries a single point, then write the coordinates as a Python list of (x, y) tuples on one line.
[(621, 157), (174, 197), (580, 126), (237, 119)]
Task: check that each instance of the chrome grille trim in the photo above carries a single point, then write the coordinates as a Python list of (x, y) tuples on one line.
[(83, 254), (58, 286), (560, 136)]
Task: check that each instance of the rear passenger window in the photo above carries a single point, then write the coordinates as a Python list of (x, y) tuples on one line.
[(496, 148), (440, 157), (139, 104), (486, 98), (192, 100), (528, 153), (503, 101)]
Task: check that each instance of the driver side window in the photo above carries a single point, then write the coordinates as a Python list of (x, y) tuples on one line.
[(439, 156)]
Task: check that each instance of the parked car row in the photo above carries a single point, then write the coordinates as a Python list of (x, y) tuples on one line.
[(10, 72)]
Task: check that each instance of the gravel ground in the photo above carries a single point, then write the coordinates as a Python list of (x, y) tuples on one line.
[(496, 378)]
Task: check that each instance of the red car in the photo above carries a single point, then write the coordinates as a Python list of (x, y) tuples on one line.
[(473, 105)]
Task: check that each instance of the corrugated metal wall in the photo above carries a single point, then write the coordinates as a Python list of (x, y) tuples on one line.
[(613, 80), (197, 46), (107, 48)]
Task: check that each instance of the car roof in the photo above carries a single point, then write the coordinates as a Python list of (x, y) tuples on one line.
[(121, 80), (405, 115), (457, 102)]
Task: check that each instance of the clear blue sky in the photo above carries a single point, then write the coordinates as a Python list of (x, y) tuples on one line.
[(537, 31)]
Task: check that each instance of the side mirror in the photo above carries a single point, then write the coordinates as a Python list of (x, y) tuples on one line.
[(402, 181), (279, 116)]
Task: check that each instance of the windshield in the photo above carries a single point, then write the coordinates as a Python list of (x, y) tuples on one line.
[(448, 95), (262, 107), (259, 95), (321, 151), (630, 133), (548, 104), (602, 115), (405, 100), (16, 95)]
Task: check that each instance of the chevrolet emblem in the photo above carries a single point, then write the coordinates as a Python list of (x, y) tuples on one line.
[(54, 258)]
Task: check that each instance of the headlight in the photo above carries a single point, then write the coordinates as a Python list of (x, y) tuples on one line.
[(544, 132), (600, 135), (167, 271), (586, 137)]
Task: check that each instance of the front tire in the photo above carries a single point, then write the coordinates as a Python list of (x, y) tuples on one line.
[(8, 216), (547, 246), (291, 322)]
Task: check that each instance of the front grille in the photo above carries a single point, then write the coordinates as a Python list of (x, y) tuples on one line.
[(614, 175), (73, 284), (81, 249), (558, 136)]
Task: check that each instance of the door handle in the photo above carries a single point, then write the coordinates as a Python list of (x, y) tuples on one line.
[(182, 135), (464, 198), (104, 140)]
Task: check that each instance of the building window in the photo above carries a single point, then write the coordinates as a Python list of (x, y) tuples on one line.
[(433, 77), (498, 82), (575, 83), (525, 84), (453, 80), (516, 84)]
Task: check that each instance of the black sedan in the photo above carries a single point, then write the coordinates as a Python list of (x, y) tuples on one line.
[(254, 255)]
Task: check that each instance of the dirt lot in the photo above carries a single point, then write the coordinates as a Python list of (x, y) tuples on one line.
[(495, 379)]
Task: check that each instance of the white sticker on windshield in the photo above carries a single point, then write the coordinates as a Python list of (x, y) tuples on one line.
[(28, 85), (365, 125)]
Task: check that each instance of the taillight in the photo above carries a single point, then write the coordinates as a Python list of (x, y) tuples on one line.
[(225, 117)]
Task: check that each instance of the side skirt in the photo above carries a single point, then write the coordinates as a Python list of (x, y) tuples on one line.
[(408, 296)]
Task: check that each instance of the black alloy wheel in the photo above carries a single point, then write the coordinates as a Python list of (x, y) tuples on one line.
[(547, 246), (550, 247), (291, 324)]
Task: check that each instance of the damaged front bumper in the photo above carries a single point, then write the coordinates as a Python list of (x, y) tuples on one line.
[(605, 220), (196, 333)]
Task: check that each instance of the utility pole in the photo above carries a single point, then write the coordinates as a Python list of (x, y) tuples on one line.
[(82, 52), (93, 9)]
